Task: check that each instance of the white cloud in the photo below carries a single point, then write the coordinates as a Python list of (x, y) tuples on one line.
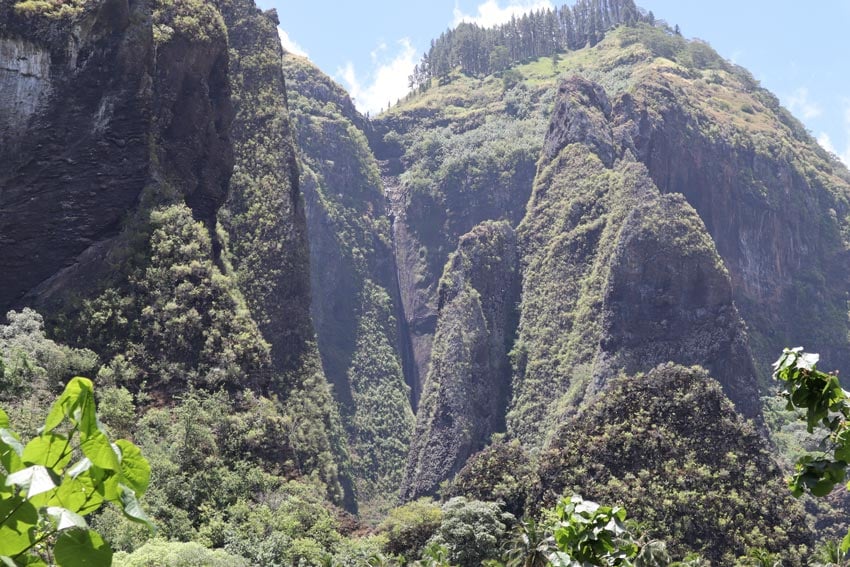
[(375, 53), (289, 44), (386, 83), (736, 56), (826, 142), (799, 103), (490, 13)]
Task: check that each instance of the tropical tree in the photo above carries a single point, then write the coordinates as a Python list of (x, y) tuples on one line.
[(530, 546), (827, 409), (70, 470)]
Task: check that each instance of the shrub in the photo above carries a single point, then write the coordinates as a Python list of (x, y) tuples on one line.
[(177, 554), (472, 530), (501, 472), (409, 527)]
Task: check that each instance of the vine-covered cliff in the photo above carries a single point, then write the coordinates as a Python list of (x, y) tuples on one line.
[(634, 249), (139, 218), (536, 273), (353, 274)]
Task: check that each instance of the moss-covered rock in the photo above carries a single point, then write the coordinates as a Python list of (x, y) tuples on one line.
[(670, 448), (469, 381), (353, 278)]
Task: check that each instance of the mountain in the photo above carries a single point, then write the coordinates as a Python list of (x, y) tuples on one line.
[(353, 279), (562, 262), (633, 249), (139, 217)]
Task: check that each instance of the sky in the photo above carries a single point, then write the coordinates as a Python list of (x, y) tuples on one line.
[(798, 50)]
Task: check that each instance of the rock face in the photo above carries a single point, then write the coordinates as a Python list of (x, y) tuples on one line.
[(447, 171), (353, 278), (508, 247), (617, 276), (75, 140), (24, 83), (666, 223), (126, 122), (97, 117), (469, 380), (779, 225), (267, 227)]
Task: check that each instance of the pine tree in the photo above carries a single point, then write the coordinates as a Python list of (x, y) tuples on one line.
[(480, 51)]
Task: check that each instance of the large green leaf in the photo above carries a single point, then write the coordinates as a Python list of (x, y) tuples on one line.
[(93, 492), (82, 548), (845, 543), (18, 519), (11, 450), (134, 467), (132, 508), (78, 495), (109, 486), (86, 486), (27, 560), (49, 449), (64, 519), (99, 450), (75, 403), (82, 466)]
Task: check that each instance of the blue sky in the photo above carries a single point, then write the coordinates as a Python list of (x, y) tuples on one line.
[(797, 50)]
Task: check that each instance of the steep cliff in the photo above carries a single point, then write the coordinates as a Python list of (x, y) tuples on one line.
[(99, 204), (453, 157), (353, 275), (468, 383), (775, 204), (665, 221), (126, 121), (215, 220), (616, 276), (94, 113), (267, 230)]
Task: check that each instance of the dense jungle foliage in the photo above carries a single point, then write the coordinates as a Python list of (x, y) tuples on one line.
[(508, 322)]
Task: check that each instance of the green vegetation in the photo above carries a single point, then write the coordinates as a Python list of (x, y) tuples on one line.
[(221, 475), (177, 554), (565, 268), (69, 471), (263, 218), (52, 9), (180, 321), (586, 533), (827, 408), (189, 20), (31, 365), (472, 531), (409, 527), (267, 445), (481, 51), (501, 472), (353, 282), (649, 443), (469, 380)]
